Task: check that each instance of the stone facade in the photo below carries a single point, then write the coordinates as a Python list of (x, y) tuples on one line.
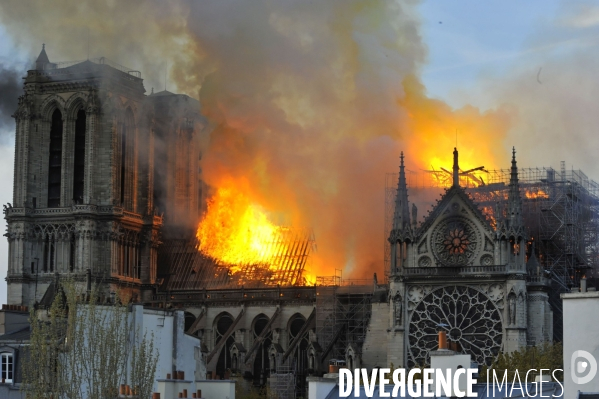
[(85, 190), (465, 274)]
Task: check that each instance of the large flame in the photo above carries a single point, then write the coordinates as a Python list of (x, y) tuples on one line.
[(234, 230), (237, 232)]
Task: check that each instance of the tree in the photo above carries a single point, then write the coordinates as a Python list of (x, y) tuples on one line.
[(545, 356), (81, 348)]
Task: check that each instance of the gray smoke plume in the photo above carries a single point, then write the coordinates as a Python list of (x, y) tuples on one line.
[(10, 90), (311, 101)]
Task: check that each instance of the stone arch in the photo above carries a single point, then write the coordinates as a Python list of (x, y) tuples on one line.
[(126, 159), (75, 134), (51, 103), (189, 320), (299, 356), (129, 105), (74, 103), (262, 361), (220, 325), (293, 318)]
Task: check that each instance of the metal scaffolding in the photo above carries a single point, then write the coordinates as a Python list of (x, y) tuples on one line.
[(343, 312), (560, 211), (282, 384)]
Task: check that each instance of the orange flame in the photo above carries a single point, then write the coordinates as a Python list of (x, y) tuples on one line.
[(238, 232), (533, 194)]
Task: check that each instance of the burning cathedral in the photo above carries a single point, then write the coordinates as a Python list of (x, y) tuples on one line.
[(107, 187)]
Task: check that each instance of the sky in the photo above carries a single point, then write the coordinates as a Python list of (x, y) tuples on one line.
[(537, 57)]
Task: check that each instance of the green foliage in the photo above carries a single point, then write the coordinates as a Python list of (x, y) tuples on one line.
[(42, 374), (81, 349), (252, 392), (546, 356)]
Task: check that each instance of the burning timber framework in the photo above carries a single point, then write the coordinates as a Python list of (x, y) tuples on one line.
[(183, 267), (560, 210)]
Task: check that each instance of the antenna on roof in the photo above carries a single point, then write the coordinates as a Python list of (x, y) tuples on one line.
[(88, 43), (456, 137), (165, 69)]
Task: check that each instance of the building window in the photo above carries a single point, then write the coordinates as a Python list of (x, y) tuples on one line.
[(49, 254), (7, 367), (79, 164), (55, 162), (126, 152), (72, 254)]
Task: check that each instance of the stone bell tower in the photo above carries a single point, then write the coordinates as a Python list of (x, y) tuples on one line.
[(83, 181)]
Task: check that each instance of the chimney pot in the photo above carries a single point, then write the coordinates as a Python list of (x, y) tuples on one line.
[(583, 284), (442, 340), (168, 376), (156, 395)]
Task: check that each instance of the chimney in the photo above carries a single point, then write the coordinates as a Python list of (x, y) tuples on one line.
[(583, 284), (442, 340)]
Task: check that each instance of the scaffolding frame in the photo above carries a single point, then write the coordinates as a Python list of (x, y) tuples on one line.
[(282, 383), (343, 311)]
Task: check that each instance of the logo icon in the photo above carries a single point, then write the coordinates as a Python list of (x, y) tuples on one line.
[(581, 363)]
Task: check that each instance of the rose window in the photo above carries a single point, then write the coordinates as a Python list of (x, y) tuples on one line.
[(455, 242), (469, 317)]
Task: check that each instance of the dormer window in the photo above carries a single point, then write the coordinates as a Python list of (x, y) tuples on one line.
[(7, 364)]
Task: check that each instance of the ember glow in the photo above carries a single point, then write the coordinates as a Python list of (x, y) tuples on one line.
[(238, 233), (234, 230), (532, 194)]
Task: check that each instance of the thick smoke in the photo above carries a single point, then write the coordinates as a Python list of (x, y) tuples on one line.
[(10, 90), (310, 102)]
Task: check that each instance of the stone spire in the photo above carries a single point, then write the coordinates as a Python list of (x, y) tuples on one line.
[(514, 211), (402, 228), (456, 168), (42, 59)]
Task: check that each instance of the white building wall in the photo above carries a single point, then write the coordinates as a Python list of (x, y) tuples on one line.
[(581, 312), (175, 349)]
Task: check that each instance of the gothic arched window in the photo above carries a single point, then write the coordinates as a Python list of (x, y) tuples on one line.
[(79, 163), (55, 162), (127, 161), (262, 360), (221, 326)]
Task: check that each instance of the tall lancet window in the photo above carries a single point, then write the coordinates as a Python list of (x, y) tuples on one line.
[(54, 169), (126, 140), (79, 164)]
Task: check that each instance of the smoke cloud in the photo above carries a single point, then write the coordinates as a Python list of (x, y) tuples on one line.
[(309, 103), (10, 90)]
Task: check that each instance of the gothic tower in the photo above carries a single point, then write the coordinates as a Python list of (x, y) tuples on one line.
[(84, 180)]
